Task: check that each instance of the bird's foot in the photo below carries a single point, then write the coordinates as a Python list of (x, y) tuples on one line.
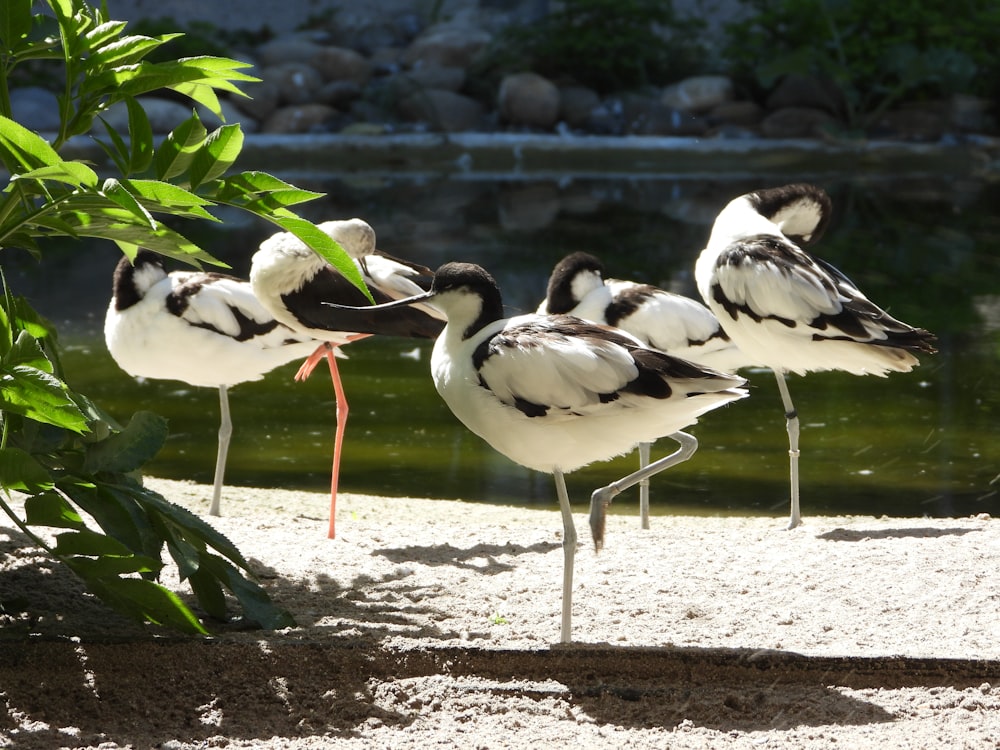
[(599, 502)]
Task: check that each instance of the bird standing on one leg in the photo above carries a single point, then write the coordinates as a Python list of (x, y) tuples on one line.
[(293, 282), (554, 393), (204, 329), (672, 323), (791, 311)]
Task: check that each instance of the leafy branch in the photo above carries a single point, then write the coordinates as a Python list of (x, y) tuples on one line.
[(75, 466)]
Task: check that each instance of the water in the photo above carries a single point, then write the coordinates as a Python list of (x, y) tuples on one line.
[(922, 443)]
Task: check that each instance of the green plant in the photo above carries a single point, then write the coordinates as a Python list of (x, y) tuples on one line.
[(75, 465), (608, 45), (876, 53)]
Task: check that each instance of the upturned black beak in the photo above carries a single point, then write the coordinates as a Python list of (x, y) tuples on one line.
[(347, 309)]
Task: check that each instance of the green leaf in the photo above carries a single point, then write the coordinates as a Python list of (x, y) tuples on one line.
[(20, 471), (256, 604), (90, 543), (175, 154), (23, 150), (140, 137), (217, 154), (15, 23), (148, 602), (165, 197), (131, 448), (117, 192), (51, 509), (326, 247), (37, 395), (125, 51), (73, 173)]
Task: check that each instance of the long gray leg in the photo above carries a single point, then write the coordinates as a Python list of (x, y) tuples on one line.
[(644, 486), (569, 555), (602, 496), (792, 425), (225, 432)]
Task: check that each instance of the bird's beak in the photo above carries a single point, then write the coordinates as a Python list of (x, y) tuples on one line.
[(425, 297)]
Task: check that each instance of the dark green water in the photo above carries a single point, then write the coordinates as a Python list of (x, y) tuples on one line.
[(923, 443)]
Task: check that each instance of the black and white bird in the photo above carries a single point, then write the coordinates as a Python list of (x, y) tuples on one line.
[(672, 323), (293, 283), (554, 393), (204, 329), (790, 310)]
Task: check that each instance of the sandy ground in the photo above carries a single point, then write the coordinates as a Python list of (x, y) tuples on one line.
[(434, 624)]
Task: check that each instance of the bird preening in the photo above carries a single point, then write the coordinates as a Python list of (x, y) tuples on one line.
[(602, 367), (791, 311)]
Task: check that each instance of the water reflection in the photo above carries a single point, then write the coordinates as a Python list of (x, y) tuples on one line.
[(912, 444)]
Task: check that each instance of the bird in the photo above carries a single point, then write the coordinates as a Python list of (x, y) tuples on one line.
[(661, 320), (554, 393), (201, 328), (293, 282), (791, 310)]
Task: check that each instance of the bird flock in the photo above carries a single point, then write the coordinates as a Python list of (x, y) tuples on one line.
[(604, 366)]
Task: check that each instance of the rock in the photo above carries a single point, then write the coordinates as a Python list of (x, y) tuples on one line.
[(745, 113), (796, 122), (262, 98), (528, 99), (970, 114), (698, 93), (795, 90), (577, 105), (645, 115), (286, 49), (341, 64), (297, 82), (443, 110), (36, 108), (339, 94), (924, 122), (448, 45), (434, 76), (299, 118)]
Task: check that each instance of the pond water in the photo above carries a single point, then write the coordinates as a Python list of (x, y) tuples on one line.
[(922, 443)]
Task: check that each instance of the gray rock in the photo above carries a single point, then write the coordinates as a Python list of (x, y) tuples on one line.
[(262, 98), (35, 108), (743, 113), (447, 45), (796, 122), (341, 64), (795, 90), (528, 99), (577, 105), (297, 82), (442, 110), (698, 94), (338, 94), (300, 118), (434, 76), (287, 48)]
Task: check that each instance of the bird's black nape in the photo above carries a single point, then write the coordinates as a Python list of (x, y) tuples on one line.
[(559, 294)]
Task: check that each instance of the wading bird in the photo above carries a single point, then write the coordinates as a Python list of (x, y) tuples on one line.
[(790, 310), (204, 329), (672, 323), (293, 283), (555, 393)]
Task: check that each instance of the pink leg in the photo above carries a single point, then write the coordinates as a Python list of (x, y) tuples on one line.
[(328, 350), (338, 440)]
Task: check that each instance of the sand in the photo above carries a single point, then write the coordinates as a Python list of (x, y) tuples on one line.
[(431, 623)]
